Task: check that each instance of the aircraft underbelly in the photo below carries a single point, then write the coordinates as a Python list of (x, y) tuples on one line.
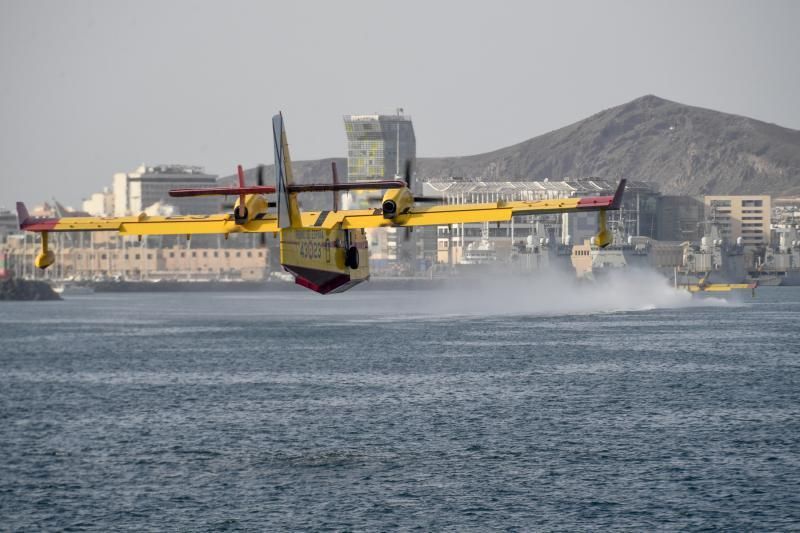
[(322, 281), (316, 258)]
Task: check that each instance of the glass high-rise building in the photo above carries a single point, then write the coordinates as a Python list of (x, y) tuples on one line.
[(378, 146)]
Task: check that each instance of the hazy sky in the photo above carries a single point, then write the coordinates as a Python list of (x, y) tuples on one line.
[(90, 88)]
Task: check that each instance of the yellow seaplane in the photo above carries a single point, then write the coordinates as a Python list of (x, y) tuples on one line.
[(325, 251), (703, 285)]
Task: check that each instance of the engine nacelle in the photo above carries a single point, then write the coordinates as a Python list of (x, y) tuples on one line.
[(397, 202), (253, 205)]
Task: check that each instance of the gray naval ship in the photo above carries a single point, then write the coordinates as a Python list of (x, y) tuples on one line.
[(714, 260), (780, 265)]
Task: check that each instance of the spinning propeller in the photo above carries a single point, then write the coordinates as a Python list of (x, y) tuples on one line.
[(390, 205)]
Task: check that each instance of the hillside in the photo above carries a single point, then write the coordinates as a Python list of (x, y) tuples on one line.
[(682, 149)]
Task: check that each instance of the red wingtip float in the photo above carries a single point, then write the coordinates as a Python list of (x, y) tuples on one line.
[(326, 251)]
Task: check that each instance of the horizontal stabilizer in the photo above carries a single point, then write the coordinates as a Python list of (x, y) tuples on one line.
[(308, 187), (352, 186), (222, 191)]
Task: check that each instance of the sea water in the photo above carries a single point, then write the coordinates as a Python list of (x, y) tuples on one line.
[(627, 405)]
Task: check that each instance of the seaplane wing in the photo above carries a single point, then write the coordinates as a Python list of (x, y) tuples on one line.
[(467, 213), (149, 225)]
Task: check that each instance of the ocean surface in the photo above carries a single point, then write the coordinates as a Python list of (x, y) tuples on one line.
[(523, 406)]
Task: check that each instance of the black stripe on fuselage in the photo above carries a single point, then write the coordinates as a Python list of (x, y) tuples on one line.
[(321, 218)]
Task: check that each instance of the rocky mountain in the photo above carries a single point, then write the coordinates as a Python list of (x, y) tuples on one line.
[(679, 148)]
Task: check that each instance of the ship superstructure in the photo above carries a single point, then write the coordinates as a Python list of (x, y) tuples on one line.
[(714, 260), (625, 252), (780, 264)]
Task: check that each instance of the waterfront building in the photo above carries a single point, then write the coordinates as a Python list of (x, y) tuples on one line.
[(740, 217), (103, 256), (135, 191)]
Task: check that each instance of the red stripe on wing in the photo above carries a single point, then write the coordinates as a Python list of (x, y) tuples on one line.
[(39, 224), (596, 201)]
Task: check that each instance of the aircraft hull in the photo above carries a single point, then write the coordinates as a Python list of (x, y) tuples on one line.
[(317, 258)]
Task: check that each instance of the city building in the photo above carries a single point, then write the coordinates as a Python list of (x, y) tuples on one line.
[(680, 219), (740, 217), (101, 256), (100, 204), (136, 191), (379, 146), (8, 224)]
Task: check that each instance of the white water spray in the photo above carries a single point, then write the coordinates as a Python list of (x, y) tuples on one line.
[(555, 293)]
